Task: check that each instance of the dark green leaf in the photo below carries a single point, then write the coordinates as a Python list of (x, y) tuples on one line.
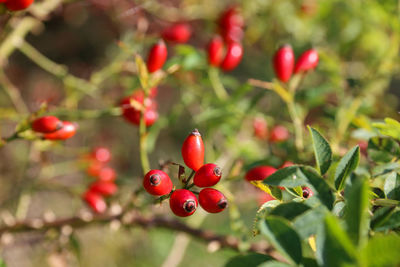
[(392, 186), (282, 236), (334, 247), (287, 177), (309, 262), (383, 149), (381, 215), (307, 223), (290, 210), (276, 192), (382, 251), (322, 151), (346, 166), (274, 264), (252, 259), (393, 222)]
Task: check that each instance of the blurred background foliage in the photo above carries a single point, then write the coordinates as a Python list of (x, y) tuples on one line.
[(355, 84)]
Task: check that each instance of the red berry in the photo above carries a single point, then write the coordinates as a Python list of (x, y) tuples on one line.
[(67, 131), (94, 168), (95, 201), (47, 124), (260, 128), (283, 63), (208, 175), (215, 51), (235, 34), (183, 202), (107, 174), (132, 114), (15, 5), (178, 33), (212, 200), (157, 56), (259, 173), (307, 61), (264, 197), (101, 154), (233, 56), (307, 192), (193, 150), (157, 183), (286, 164), (279, 134), (230, 18), (103, 188)]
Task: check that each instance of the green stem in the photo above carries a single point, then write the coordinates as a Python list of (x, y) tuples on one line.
[(298, 125), (189, 179), (143, 144), (216, 83)]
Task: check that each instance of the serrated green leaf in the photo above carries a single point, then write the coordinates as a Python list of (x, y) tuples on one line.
[(307, 223), (334, 247), (283, 237), (290, 210), (382, 251), (346, 166), (260, 214), (357, 216), (392, 186), (322, 151), (252, 259)]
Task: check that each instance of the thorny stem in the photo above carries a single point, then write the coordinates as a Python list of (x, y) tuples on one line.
[(216, 83)]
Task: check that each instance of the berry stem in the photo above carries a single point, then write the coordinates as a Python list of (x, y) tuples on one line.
[(187, 186), (216, 83)]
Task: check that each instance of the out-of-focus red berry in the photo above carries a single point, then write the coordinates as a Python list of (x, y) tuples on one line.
[(307, 61), (94, 168), (67, 131), (231, 24), (16, 5), (259, 173), (264, 197), (101, 154), (95, 201), (215, 51), (286, 164), (233, 56), (157, 56), (278, 134), (178, 33), (107, 174), (260, 128), (103, 188), (133, 114), (47, 124), (283, 63)]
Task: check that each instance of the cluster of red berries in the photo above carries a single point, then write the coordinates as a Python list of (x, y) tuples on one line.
[(230, 26), (104, 186), (262, 172), (16, 5), (278, 133), (284, 62), (54, 129), (183, 202)]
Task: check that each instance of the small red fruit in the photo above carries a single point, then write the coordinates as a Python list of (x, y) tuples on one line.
[(279, 134), (107, 174), (67, 131), (178, 33), (260, 128), (259, 173), (183, 203), (157, 56), (95, 201), (132, 114), (16, 5), (94, 168), (103, 188), (157, 183), (233, 56), (101, 154), (307, 192), (307, 61), (193, 150), (46, 124), (215, 51), (230, 18), (283, 63), (212, 200), (286, 164), (208, 175)]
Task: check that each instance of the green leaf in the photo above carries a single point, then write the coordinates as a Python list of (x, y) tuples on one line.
[(2, 263), (381, 215), (252, 259), (142, 72), (346, 166), (357, 205), (383, 149), (334, 247), (274, 264), (290, 210), (322, 151), (390, 128), (283, 237), (307, 223), (393, 222), (287, 177), (276, 192), (382, 251), (264, 209), (392, 186)]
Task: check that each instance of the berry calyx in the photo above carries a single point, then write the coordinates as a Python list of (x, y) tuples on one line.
[(208, 175), (157, 183), (307, 61), (259, 173), (307, 192), (193, 150), (16, 5), (157, 56), (212, 200), (95, 201), (278, 134), (46, 124), (283, 63), (67, 131), (178, 33), (103, 188), (215, 51), (183, 203), (233, 56)]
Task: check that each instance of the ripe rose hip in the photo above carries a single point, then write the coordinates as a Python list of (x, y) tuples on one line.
[(212, 200), (230, 18), (67, 131), (157, 183), (279, 134), (103, 188), (307, 61), (107, 174), (286, 164), (178, 33), (208, 175), (193, 150), (233, 56), (46, 124), (260, 128), (101, 154), (95, 201), (157, 56), (16, 5), (283, 63), (183, 203), (132, 114), (307, 192), (215, 51), (259, 173)]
